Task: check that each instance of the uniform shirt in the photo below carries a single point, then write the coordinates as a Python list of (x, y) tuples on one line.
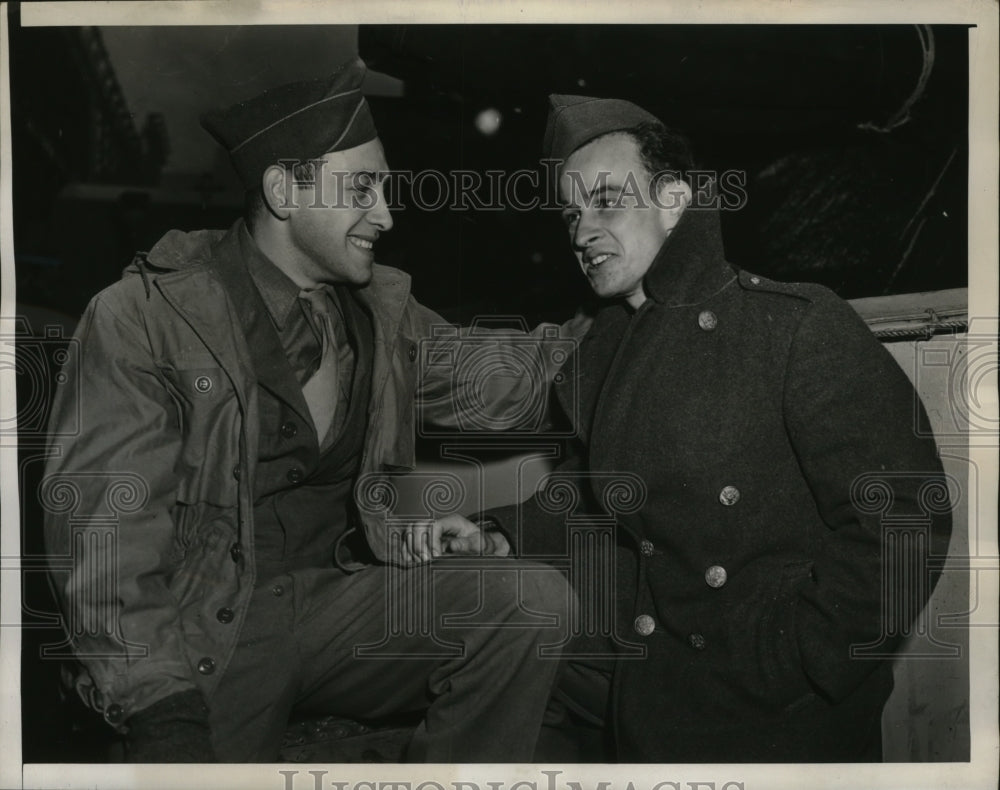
[(291, 320), (302, 500)]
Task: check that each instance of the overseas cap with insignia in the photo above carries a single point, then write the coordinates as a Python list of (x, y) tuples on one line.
[(302, 120), (575, 120)]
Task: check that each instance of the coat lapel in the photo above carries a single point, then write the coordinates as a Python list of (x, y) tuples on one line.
[(385, 300), (273, 370)]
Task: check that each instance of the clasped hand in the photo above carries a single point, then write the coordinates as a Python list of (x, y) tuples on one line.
[(454, 534)]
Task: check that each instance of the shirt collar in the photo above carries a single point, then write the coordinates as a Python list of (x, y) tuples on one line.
[(277, 290)]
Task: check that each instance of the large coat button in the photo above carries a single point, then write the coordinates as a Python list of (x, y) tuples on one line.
[(294, 475), (707, 320), (289, 429), (236, 551), (412, 353), (729, 495), (644, 625), (646, 548), (206, 666), (716, 576), (225, 615), (203, 384)]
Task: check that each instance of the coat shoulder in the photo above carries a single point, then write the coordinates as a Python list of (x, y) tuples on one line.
[(817, 302), (810, 293)]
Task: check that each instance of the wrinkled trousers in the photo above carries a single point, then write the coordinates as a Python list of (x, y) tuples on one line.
[(475, 648)]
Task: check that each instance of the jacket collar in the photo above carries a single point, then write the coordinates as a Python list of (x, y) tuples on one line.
[(276, 289), (386, 296), (691, 265)]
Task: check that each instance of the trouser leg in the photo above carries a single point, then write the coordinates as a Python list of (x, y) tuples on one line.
[(250, 708), (467, 645), (576, 727)]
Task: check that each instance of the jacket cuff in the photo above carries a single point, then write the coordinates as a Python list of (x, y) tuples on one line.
[(502, 520)]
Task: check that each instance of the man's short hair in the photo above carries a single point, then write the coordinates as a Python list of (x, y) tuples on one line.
[(664, 152)]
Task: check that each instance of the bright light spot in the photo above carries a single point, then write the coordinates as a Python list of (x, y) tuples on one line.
[(488, 121)]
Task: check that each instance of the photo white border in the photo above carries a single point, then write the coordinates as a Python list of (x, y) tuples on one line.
[(983, 290)]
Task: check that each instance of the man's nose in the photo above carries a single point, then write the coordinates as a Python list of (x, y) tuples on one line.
[(586, 233), (379, 214)]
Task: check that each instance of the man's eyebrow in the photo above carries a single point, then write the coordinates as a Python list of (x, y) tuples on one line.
[(602, 190)]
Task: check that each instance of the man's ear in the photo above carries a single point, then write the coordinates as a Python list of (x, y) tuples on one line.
[(672, 197), (277, 188)]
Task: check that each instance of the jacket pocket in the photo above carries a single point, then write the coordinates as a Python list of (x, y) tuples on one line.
[(759, 661), (208, 417), (204, 559)]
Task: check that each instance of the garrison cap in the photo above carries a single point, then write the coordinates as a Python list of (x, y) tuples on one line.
[(576, 120), (301, 120)]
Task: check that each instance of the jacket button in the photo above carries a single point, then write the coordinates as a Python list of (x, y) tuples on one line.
[(236, 552), (294, 475), (644, 625), (646, 548), (206, 666), (277, 591), (237, 472), (697, 641), (729, 495), (203, 384), (114, 713), (224, 615), (289, 429), (707, 320), (716, 576), (412, 353)]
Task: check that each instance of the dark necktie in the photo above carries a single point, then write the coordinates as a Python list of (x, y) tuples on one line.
[(320, 390)]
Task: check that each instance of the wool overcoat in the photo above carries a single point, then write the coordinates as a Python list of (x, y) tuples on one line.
[(756, 445)]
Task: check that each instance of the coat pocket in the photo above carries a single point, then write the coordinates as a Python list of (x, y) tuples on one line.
[(205, 557), (208, 416)]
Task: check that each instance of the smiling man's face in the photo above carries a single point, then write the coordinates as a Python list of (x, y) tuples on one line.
[(615, 227), (334, 233)]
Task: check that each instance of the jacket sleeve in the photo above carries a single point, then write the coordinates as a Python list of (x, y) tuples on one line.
[(852, 418), (109, 488), (538, 526), (476, 379)]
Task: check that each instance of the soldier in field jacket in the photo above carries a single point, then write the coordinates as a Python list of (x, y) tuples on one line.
[(240, 396)]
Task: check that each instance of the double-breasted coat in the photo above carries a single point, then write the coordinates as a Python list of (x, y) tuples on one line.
[(763, 442)]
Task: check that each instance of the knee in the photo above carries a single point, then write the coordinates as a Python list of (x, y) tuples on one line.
[(542, 586), (545, 592)]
